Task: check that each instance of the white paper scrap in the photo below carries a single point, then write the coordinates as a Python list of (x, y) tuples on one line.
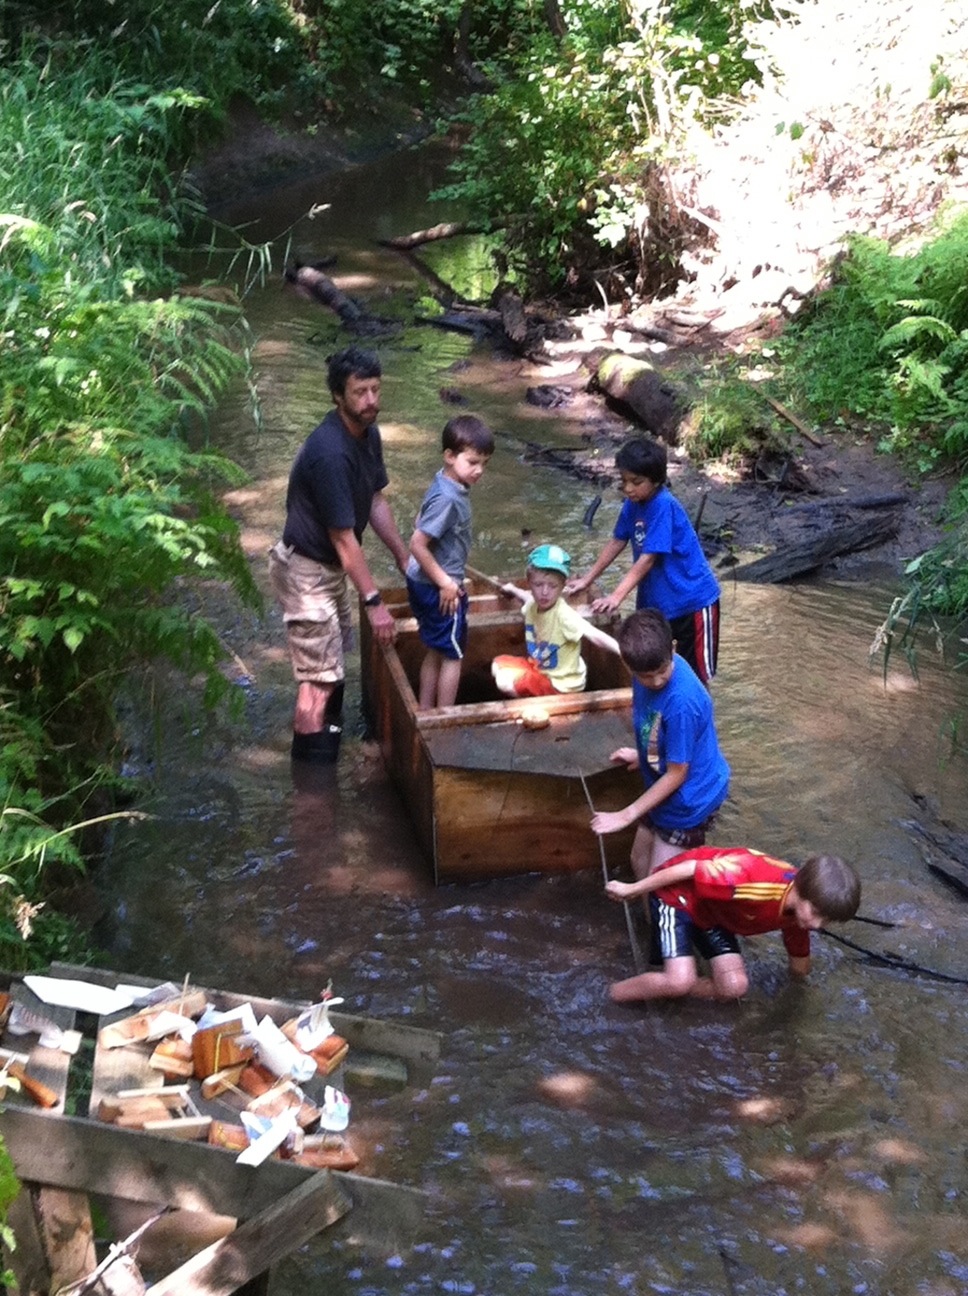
[(81, 995)]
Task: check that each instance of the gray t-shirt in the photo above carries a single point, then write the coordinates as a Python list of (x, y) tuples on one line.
[(445, 516)]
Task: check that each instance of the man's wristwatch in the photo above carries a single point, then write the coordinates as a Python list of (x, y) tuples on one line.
[(372, 600)]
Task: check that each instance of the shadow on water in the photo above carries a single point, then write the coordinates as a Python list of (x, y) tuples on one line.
[(806, 1140)]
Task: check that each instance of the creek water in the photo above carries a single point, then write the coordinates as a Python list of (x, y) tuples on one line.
[(809, 1139)]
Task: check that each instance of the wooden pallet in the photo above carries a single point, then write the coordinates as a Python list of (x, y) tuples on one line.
[(61, 1160)]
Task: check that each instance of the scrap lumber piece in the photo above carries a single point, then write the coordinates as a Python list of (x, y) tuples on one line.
[(225, 1266), (74, 1153), (65, 1231), (799, 559), (138, 1026)]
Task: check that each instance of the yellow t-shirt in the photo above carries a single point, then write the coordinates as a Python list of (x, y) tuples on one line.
[(553, 641)]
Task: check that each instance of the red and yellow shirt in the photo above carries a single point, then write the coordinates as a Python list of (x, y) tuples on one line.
[(740, 890)]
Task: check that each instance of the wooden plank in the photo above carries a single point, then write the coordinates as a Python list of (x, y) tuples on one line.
[(64, 1223), (493, 824), (257, 1244), (28, 1261), (510, 710), (412, 1043), (48, 1066), (75, 1153)]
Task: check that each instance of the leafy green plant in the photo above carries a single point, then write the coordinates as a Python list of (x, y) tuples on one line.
[(731, 420), (889, 341), (109, 503)]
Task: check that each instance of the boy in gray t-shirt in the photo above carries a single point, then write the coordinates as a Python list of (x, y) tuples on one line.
[(439, 547)]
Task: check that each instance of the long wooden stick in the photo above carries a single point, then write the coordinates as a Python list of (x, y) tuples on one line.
[(494, 583), (637, 956)]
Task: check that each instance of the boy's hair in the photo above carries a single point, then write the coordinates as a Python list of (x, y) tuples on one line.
[(644, 459), (830, 885), (645, 641), (351, 362), (467, 432)]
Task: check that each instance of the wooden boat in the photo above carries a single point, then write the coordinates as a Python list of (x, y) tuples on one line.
[(487, 796)]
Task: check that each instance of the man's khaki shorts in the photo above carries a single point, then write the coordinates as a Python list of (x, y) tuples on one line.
[(317, 610)]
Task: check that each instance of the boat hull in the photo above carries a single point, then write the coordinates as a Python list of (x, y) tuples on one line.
[(487, 796)]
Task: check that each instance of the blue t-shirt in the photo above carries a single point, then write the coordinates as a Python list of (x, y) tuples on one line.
[(445, 516), (332, 483), (681, 579), (681, 714)]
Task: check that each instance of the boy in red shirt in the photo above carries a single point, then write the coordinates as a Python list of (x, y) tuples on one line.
[(707, 897)]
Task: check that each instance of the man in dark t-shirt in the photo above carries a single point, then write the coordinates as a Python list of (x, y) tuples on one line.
[(335, 489)]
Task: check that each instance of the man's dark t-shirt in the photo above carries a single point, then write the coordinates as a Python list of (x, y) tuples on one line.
[(332, 483)]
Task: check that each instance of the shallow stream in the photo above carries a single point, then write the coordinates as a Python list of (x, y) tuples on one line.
[(810, 1139)]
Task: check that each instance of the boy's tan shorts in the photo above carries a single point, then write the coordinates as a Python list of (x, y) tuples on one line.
[(317, 610)]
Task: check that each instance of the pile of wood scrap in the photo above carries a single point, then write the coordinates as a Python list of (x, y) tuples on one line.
[(272, 1074)]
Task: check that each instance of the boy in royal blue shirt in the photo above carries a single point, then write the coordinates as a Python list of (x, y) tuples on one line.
[(669, 569), (676, 749), (439, 547)]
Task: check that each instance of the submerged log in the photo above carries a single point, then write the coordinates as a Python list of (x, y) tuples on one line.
[(807, 556)]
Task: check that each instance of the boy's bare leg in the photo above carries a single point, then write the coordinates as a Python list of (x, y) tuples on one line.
[(429, 675), (640, 856), (677, 979), (448, 680), (728, 981)]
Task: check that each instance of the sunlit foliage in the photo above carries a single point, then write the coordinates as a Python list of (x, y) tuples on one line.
[(104, 373)]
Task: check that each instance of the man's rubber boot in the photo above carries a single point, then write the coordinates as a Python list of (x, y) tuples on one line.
[(320, 748), (333, 715)]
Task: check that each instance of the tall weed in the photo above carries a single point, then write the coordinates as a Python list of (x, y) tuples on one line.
[(104, 506)]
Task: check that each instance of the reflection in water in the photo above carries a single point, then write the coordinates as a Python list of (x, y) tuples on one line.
[(809, 1139)]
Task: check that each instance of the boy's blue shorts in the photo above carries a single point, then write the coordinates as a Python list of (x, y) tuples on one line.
[(675, 935), (445, 634)]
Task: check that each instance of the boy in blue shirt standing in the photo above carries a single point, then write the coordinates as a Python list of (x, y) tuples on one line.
[(669, 569), (676, 749), (439, 547)]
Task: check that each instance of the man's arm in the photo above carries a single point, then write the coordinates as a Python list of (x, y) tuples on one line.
[(660, 878), (353, 561), (671, 781), (383, 523)]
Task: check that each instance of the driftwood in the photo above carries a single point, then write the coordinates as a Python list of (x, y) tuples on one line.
[(807, 556), (849, 501), (953, 846)]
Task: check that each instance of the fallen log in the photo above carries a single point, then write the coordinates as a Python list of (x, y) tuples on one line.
[(799, 559), (850, 502), (310, 282), (445, 230), (640, 389)]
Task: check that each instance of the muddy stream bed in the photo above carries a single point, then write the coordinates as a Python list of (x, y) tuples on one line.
[(810, 1139)]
